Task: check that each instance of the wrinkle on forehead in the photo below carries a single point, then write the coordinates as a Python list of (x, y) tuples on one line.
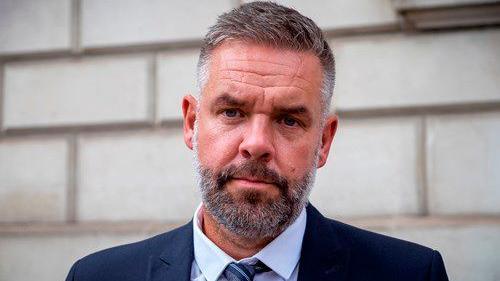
[(236, 55), (258, 66), (275, 67), (266, 81)]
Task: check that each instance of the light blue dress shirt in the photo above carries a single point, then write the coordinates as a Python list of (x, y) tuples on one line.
[(281, 255)]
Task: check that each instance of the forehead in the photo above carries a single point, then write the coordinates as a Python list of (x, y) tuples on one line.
[(230, 53), (247, 69)]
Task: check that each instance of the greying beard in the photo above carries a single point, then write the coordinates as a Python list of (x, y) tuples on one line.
[(253, 215)]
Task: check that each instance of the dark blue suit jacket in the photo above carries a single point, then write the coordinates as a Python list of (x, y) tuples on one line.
[(330, 251)]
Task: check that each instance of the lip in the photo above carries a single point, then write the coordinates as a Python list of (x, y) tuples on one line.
[(251, 183), (256, 180)]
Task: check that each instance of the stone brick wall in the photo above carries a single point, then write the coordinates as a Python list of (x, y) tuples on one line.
[(91, 150)]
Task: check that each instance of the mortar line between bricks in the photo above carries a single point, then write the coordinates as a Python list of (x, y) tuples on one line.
[(102, 128), (417, 110), (72, 179), (422, 161), (146, 48), (75, 30), (2, 96), (153, 95), (157, 226)]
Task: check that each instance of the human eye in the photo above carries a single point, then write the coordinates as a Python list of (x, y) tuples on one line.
[(289, 121), (231, 113)]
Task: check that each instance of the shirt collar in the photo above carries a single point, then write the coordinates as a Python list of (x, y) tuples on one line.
[(281, 255), (211, 259)]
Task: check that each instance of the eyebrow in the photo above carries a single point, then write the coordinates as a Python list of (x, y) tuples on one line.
[(227, 100), (295, 110)]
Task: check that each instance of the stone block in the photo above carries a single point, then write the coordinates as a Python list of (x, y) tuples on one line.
[(33, 180), (76, 92), (385, 71), (336, 14), (176, 78), (470, 253), (464, 163), (372, 169), (32, 26), (139, 176), (156, 21), (51, 256), (429, 4)]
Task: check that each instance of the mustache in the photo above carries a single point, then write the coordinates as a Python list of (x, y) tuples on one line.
[(254, 169)]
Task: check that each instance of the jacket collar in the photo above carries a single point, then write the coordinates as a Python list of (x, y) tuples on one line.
[(323, 256), (174, 263)]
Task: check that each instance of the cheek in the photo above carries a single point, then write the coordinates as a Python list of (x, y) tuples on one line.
[(216, 148), (298, 159)]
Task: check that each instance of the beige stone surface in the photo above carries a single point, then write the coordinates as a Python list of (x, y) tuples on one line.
[(33, 180), (76, 91), (156, 21), (470, 253), (374, 173), (176, 78), (136, 176), (372, 169), (423, 4), (32, 26), (334, 14), (49, 258), (463, 163), (399, 70)]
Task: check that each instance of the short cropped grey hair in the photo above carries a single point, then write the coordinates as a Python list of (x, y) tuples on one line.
[(273, 25)]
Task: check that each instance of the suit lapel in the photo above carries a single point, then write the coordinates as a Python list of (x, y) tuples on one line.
[(324, 255), (174, 263)]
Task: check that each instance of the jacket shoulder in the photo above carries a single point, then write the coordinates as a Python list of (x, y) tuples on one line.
[(389, 256), (362, 239), (125, 262)]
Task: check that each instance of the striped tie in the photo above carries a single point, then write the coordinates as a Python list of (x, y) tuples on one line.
[(244, 272)]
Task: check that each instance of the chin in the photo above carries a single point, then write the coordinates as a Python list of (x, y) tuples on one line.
[(253, 196)]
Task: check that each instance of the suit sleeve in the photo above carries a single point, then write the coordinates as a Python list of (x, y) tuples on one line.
[(71, 274), (437, 270)]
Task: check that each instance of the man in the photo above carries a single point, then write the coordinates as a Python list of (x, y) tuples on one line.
[(259, 130)]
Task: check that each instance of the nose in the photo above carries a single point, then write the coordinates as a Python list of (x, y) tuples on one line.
[(258, 142)]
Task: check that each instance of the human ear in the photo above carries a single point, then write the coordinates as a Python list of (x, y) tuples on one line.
[(189, 105), (326, 139)]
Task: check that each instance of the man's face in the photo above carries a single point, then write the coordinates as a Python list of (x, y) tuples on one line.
[(259, 136)]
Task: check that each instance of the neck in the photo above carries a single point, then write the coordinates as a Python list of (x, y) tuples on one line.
[(235, 246)]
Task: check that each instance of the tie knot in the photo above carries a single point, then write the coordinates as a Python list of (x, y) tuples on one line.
[(244, 272)]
